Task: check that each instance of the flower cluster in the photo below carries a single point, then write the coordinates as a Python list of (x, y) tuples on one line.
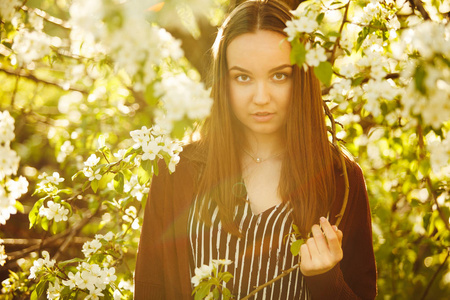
[(89, 169), (154, 143), (41, 264), (49, 183), (137, 52), (10, 189), (427, 75), (91, 247), (182, 97), (8, 9), (30, 45), (54, 211), (135, 189), (207, 271), (305, 19), (91, 277)]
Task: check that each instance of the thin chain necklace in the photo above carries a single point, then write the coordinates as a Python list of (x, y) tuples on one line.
[(259, 159)]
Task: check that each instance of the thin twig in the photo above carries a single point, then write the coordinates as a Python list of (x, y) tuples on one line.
[(343, 165), (435, 275), (344, 19), (428, 179), (283, 273), (16, 86)]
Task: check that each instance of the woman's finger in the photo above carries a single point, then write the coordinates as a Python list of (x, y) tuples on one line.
[(319, 239), (333, 240)]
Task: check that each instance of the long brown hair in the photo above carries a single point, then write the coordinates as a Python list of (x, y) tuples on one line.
[(307, 175)]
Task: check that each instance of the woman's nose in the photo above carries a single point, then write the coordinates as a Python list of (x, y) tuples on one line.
[(261, 95)]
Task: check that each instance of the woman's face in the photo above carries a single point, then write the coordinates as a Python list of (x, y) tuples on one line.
[(260, 77)]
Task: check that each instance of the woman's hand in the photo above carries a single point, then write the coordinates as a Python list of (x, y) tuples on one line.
[(323, 251)]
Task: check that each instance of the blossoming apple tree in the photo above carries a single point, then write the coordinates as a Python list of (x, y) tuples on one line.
[(95, 92)]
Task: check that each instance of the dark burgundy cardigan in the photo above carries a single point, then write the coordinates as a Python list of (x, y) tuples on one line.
[(162, 266)]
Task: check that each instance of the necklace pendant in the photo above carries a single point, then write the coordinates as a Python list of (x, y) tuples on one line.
[(258, 160)]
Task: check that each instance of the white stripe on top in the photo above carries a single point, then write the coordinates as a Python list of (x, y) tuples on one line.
[(260, 255)]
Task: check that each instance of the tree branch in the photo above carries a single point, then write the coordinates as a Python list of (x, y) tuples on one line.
[(37, 80), (417, 4), (56, 21)]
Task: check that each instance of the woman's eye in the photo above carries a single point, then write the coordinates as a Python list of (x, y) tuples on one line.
[(279, 76), (243, 78)]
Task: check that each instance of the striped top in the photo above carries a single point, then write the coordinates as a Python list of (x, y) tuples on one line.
[(260, 255)]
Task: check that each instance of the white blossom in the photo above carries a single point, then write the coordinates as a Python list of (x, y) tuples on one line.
[(204, 272), (40, 264), (182, 97), (29, 46), (151, 150), (135, 189), (439, 153), (92, 161), (91, 247), (3, 255), (140, 136), (8, 8), (54, 289), (7, 207), (9, 162), (91, 174), (6, 128), (91, 277), (17, 187), (54, 211), (66, 149), (315, 56)]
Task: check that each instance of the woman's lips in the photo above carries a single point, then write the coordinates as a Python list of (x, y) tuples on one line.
[(262, 116)]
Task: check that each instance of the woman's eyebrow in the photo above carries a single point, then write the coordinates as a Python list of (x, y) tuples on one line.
[(270, 71), (238, 69)]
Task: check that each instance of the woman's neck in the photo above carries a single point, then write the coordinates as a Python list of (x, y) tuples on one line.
[(263, 146)]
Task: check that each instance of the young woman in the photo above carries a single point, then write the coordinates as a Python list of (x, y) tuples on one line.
[(263, 164)]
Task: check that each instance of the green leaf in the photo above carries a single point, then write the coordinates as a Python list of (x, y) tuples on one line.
[(119, 182), (54, 227), (155, 168), (19, 206), (216, 293), (34, 213), (295, 246), (226, 293), (94, 185), (203, 291), (298, 53), (41, 287), (70, 261), (320, 18), (127, 173), (323, 72), (226, 276), (34, 295), (357, 81), (419, 79), (76, 175), (44, 224)]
